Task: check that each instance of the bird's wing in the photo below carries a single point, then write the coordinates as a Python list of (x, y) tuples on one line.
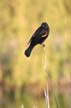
[(38, 33)]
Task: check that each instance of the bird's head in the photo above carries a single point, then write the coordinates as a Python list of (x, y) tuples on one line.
[(45, 26)]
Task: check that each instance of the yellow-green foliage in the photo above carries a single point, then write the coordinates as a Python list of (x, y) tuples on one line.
[(18, 20)]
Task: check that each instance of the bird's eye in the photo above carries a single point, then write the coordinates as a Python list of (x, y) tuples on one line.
[(42, 25)]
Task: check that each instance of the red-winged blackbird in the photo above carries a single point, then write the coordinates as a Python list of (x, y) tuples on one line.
[(38, 37)]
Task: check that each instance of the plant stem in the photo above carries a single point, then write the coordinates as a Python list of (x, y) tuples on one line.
[(46, 90)]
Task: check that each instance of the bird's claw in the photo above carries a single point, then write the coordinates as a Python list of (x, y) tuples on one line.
[(43, 45)]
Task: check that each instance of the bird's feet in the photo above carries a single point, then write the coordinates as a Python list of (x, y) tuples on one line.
[(43, 45)]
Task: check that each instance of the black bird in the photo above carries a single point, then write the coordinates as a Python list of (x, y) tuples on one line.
[(38, 37)]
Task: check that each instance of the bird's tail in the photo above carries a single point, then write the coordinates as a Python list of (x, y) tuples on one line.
[(28, 51)]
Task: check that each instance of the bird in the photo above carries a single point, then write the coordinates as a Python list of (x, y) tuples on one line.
[(38, 37)]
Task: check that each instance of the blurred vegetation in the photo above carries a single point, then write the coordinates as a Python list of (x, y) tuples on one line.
[(18, 20)]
